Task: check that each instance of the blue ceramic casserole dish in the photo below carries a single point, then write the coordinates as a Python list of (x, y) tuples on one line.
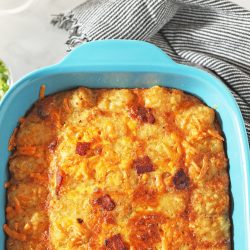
[(129, 64)]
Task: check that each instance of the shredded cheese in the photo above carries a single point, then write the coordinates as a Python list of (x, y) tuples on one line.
[(42, 92)]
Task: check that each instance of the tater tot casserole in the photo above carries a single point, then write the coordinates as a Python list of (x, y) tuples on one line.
[(118, 169)]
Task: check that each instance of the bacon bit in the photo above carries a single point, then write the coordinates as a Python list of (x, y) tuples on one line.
[(143, 165), (42, 92), (105, 202), (181, 180), (115, 243), (12, 141), (142, 114), (215, 134), (82, 148), (7, 184), (52, 146), (66, 105), (60, 178), (26, 150), (79, 220), (13, 234)]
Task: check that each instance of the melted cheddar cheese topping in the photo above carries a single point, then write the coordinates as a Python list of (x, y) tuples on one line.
[(118, 169)]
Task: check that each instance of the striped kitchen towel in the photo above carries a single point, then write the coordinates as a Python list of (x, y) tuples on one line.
[(213, 34)]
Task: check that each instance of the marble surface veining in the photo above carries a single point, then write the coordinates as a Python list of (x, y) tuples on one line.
[(28, 41)]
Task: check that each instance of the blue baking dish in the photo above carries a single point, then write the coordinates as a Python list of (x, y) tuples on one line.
[(130, 64)]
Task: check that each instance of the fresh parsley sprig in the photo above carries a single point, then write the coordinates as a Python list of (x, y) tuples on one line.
[(4, 77)]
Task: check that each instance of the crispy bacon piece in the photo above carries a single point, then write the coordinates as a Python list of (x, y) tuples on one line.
[(60, 178), (115, 243), (105, 202), (181, 180), (79, 220), (52, 146), (142, 114), (82, 148), (143, 165)]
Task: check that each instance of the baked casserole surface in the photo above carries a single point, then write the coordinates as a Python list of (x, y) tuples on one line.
[(118, 169)]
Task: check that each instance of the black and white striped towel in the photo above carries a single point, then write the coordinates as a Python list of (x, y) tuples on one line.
[(214, 34)]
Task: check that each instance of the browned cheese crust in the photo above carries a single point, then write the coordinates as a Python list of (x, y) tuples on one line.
[(118, 169)]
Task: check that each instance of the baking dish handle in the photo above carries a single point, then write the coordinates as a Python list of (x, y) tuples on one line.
[(117, 52)]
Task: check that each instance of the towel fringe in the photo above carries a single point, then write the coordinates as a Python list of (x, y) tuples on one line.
[(63, 21), (75, 40), (69, 23), (77, 36)]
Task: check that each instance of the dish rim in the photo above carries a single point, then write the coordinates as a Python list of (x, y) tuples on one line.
[(70, 64)]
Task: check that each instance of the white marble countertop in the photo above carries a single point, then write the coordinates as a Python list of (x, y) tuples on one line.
[(28, 40)]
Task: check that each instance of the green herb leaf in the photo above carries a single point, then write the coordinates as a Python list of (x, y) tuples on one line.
[(4, 77)]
